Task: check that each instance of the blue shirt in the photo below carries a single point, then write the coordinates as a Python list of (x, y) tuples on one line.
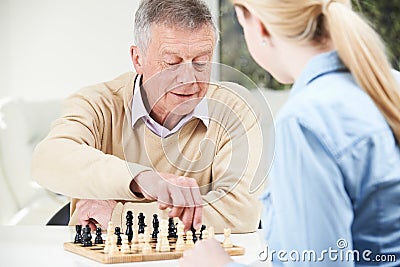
[(335, 179)]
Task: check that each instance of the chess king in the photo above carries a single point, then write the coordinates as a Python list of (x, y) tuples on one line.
[(164, 134)]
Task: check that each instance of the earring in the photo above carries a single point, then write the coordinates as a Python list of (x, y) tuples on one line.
[(263, 42)]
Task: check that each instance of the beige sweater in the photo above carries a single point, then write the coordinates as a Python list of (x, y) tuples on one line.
[(92, 152)]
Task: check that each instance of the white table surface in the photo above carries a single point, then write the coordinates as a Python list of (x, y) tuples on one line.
[(43, 246)]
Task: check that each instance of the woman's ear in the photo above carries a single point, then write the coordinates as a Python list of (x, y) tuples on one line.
[(262, 31), (240, 14), (137, 59)]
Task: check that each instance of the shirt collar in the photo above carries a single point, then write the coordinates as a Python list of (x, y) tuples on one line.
[(140, 111), (317, 66)]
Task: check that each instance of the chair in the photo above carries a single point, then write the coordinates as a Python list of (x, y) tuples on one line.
[(22, 125), (61, 217)]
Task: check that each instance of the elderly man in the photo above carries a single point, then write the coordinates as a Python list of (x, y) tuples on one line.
[(164, 134)]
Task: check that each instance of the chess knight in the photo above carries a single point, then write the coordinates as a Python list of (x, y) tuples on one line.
[(164, 134)]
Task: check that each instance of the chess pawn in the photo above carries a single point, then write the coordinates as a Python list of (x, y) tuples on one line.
[(158, 244), (109, 238), (203, 227), (98, 239), (146, 248), (135, 247), (194, 234), (113, 247), (110, 227), (141, 241), (164, 246), (189, 239), (134, 241), (135, 236), (180, 242), (205, 234), (227, 241), (211, 233), (118, 234), (107, 245), (125, 244)]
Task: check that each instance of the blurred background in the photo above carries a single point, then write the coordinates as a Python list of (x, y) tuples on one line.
[(50, 49)]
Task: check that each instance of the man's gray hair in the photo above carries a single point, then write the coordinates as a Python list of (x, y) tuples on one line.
[(183, 14)]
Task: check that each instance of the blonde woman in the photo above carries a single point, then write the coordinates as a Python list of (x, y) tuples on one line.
[(334, 198)]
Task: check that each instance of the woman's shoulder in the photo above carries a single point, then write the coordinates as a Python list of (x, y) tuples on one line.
[(335, 108)]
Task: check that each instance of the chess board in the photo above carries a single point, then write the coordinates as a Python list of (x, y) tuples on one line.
[(96, 252)]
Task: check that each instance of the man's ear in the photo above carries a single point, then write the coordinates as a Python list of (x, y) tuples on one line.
[(137, 59)]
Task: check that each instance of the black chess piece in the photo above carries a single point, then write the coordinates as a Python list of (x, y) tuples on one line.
[(171, 228), (141, 223), (203, 227), (78, 236), (84, 234), (194, 234), (87, 237), (98, 239), (118, 233), (129, 223), (156, 225)]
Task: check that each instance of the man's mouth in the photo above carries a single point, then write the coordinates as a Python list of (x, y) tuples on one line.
[(183, 95)]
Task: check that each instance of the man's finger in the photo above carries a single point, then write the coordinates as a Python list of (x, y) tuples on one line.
[(178, 200), (163, 195), (198, 203), (187, 218), (92, 225)]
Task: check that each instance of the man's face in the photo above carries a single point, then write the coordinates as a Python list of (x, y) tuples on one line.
[(176, 69)]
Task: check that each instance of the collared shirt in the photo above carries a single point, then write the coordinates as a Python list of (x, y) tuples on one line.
[(335, 179), (139, 111)]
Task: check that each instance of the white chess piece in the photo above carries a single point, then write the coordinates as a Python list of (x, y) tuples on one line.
[(205, 234), (227, 241), (135, 237), (164, 236), (180, 242), (113, 247), (189, 239), (146, 248), (125, 248), (109, 238), (140, 241), (211, 233)]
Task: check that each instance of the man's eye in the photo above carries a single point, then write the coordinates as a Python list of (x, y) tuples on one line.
[(200, 65), (172, 63)]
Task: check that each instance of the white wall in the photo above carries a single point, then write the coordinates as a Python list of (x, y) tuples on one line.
[(50, 49)]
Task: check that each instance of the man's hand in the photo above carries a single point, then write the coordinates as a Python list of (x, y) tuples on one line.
[(179, 193), (205, 253), (92, 212)]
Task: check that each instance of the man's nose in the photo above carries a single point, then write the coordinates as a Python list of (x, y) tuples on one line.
[(186, 73)]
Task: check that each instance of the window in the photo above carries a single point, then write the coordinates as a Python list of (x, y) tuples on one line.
[(233, 50)]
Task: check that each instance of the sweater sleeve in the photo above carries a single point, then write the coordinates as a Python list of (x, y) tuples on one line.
[(70, 160), (239, 161)]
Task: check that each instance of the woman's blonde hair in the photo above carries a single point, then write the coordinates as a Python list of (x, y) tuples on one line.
[(358, 45)]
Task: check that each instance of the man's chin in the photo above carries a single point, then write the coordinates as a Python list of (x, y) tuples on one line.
[(183, 110)]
